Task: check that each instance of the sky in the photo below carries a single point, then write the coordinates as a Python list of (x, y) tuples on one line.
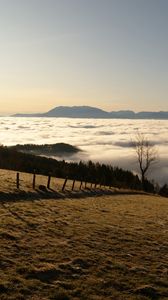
[(111, 54)]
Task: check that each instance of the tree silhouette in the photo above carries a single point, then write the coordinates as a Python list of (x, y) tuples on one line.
[(146, 154)]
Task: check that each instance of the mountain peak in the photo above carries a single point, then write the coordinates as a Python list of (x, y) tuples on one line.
[(77, 112)]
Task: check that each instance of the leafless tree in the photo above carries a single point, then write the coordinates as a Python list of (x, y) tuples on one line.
[(146, 154)]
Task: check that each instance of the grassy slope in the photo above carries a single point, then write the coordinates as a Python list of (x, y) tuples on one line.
[(8, 182), (108, 247)]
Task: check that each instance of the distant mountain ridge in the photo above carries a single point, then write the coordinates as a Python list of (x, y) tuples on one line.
[(97, 113)]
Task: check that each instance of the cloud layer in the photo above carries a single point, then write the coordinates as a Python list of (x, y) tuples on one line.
[(107, 141)]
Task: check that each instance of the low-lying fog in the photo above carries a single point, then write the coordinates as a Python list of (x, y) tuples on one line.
[(106, 141)]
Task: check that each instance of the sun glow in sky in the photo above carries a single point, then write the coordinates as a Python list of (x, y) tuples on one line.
[(106, 53)]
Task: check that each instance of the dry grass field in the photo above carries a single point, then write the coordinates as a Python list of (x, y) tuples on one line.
[(92, 247), (26, 181)]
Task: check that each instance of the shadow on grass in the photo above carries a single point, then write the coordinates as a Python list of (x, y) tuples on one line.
[(43, 193)]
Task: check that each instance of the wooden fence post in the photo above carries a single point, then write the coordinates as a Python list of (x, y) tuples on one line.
[(73, 185), (85, 184), (95, 185), (17, 180), (80, 185), (48, 183), (34, 180), (91, 185), (63, 187)]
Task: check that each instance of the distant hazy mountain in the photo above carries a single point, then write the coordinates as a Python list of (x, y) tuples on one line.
[(77, 112), (93, 112), (70, 112)]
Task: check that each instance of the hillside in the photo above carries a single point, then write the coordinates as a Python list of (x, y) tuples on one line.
[(90, 172), (93, 112), (58, 149), (106, 247)]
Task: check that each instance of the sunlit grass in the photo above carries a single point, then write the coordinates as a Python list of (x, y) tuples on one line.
[(109, 247)]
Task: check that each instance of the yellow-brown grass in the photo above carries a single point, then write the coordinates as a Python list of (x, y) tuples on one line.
[(105, 247), (8, 182)]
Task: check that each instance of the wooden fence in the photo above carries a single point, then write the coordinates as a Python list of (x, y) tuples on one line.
[(81, 184)]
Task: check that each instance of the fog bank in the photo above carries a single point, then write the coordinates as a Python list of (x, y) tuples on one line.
[(106, 141)]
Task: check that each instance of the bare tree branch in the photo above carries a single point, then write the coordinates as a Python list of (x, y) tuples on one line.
[(146, 154)]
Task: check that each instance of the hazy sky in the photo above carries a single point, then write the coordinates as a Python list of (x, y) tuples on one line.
[(112, 54)]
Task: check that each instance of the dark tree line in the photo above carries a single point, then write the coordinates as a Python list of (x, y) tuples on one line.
[(89, 172), (164, 190), (46, 149)]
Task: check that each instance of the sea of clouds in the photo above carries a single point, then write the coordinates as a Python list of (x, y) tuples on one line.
[(106, 141)]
